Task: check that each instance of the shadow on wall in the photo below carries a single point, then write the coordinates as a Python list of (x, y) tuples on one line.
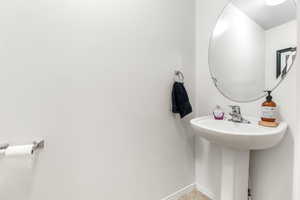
[(273, 168), (208, 175), (186, 133), (17, 172)]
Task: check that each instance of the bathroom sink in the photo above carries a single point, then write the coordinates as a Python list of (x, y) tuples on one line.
[(240, 136), (236, 140)]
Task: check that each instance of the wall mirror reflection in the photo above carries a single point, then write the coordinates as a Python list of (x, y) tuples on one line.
[(253, 47)]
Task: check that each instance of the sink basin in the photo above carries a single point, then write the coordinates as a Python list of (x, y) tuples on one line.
[(238, 135)]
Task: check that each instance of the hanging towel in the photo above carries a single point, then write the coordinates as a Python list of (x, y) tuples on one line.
[(180, 100)]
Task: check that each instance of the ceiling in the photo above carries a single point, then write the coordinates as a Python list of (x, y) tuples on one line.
[(267, 16)]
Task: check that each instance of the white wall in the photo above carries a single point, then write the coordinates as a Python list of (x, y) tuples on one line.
[(277, 160), (93, 79), (296, 185), (279, 37), (230, 50)]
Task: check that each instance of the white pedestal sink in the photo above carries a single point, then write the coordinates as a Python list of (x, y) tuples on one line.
[(237, 139)]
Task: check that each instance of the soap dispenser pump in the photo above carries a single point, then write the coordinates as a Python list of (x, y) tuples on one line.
[(268, 109)]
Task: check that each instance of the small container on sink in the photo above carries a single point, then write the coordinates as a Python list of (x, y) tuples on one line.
[(218, 113)]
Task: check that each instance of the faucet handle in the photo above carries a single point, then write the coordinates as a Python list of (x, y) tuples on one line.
[(235, 109)]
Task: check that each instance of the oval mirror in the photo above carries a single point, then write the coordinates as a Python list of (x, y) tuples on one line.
[(253, 47)]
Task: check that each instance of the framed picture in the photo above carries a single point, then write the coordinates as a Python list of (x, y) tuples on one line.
[(285, 58)]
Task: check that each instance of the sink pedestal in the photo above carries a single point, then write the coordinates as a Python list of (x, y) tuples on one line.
[(237, 139), (235, 174)]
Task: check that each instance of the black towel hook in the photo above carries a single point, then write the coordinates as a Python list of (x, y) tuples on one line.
[(180, 75)]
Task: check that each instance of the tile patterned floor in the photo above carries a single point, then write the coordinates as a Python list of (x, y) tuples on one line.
[(194, 195)]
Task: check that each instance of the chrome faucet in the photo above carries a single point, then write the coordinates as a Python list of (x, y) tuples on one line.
[(236, 115)]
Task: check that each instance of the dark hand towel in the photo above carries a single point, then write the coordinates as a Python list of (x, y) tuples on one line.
[(180, 100)]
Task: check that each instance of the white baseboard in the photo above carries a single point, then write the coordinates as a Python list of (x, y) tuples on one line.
[(206, 192), (180, 192), (176, 195)]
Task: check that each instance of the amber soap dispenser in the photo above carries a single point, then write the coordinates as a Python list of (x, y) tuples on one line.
[(269, 111)]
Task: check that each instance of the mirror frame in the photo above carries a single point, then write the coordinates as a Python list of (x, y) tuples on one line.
[(214, 79)]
